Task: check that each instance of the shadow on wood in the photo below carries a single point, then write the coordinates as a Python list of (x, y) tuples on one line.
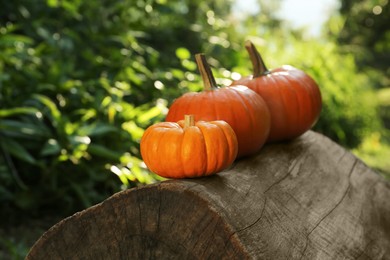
[(306, 199)]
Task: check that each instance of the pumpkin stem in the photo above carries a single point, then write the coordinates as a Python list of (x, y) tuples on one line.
[(205, 72), (259, 68), (189, 120)]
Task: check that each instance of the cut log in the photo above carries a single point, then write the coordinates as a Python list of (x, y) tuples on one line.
[(304, 199)]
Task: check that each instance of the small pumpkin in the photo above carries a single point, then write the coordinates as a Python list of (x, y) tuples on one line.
[(187, 149), (244, 110), (292, 96)]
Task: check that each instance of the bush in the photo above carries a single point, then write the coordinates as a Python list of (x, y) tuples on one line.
[(79, 83)]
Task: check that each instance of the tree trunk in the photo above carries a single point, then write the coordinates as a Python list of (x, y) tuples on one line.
[(304, 199)]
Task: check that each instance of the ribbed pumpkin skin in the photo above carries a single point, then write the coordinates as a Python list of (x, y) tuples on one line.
[(293, 99), (174, 151), (244, 110)]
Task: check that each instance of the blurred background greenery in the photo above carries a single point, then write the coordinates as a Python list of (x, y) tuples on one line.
[(81, 80)]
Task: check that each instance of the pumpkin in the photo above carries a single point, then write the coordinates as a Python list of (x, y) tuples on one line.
[(292, 96), (186, 149), (244, 110)]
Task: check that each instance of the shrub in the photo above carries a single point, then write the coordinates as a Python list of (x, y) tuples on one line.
[(80, 81)]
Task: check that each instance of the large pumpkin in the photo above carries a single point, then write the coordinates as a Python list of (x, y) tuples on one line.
[(244, 110), (187, 149), (292, 96)]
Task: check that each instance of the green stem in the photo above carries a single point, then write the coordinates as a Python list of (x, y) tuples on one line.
[(205, 72), (259, 68)]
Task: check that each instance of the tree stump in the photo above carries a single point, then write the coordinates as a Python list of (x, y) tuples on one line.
[(304, 199)]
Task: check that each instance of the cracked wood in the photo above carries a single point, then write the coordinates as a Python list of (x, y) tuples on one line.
[(304, 199)]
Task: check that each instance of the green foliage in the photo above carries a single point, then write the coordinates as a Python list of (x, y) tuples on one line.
[(383, 97), (79, 83), (364, 31), (375, 151), (13, 249), (361, 29)]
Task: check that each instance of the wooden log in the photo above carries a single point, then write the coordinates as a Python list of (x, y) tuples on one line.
[(304, 199)]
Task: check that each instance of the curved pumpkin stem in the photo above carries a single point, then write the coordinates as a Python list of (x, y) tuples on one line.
[(205, 72), (259, 68), (189, 120)]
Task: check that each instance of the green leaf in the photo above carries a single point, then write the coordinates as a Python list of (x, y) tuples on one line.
[(52, 3), (55, 113), (23, 129), (189, 65), (17, 111), (11, 39), (96, 129), (183, 53), (148, 115), (51, 148), (141, 68), (135, 131), (121, 173), (102, 151), (17, 150)]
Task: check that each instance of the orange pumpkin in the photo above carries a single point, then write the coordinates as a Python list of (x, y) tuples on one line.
[(187, 149), (292, 96), (244, 110)]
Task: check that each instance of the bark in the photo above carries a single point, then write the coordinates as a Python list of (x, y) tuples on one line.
[(304, 199)]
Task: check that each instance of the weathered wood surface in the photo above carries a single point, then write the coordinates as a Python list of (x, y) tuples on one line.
[(306, 199)]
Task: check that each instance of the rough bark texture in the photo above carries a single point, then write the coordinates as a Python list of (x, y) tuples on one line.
[(305, 199)]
